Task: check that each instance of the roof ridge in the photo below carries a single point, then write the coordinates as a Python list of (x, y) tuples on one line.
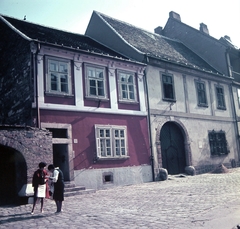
[(144, 30), (33, 23)]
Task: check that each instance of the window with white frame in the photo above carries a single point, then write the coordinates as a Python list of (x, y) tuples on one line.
[(95, 82), (111, 141), (58, 76), (127, 86), (220, 98)]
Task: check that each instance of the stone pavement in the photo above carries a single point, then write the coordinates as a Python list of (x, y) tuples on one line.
[(209, 201)]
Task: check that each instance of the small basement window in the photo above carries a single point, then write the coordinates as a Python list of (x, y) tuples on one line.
[(107, 178)]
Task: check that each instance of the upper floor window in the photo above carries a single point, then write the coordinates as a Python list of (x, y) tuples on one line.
[(127, 86), (168, 87), (201, 93), (58, 76), (218, 143), (220, 98), (95, 82), (111, 141)]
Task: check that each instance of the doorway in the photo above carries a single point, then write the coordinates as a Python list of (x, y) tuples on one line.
[(60, 159), (172, 148), (13, 175)]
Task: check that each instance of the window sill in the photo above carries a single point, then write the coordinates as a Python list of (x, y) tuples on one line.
[(220, 155), (112, 158), (169, 100), (128, 102), (202, 105), (221, 108), (58, 94), (97, 99)]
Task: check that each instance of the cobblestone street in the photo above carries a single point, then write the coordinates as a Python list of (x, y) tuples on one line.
[(202, 201)]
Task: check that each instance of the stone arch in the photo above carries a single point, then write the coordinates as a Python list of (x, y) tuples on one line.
[(188, 153), (23, 148)]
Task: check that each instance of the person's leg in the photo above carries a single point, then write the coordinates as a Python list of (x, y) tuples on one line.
[(42, 199), (34, 204), (57, 204), (60, 206)]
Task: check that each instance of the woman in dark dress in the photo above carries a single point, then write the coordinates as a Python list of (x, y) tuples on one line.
[(58, 180)]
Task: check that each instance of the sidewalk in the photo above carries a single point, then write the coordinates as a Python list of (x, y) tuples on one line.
[(210, 201)]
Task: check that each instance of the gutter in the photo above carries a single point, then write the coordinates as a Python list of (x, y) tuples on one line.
[(149, 121), (35, 50)]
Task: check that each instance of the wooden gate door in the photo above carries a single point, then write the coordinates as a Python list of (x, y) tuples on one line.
[(172, 148)]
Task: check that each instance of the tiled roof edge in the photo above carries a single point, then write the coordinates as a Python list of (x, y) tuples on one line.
[(100, 15), (37, 24), (15, 29)]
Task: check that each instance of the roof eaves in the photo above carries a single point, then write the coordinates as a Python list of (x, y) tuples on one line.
[(90, 52), (165, 59), (15, 29)]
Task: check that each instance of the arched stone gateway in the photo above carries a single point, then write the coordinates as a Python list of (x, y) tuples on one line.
[(21, 149), (173, 147)]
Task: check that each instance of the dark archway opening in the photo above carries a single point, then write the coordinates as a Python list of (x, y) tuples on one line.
[(13, 175), (172, 148)]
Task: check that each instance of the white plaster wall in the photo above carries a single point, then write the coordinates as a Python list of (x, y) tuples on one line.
[(157, 103), (197, 130), (192, 97), (93, 178), (155, 90)]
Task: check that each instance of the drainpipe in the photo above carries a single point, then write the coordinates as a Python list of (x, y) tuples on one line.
[(232, 100), (149, 121), (235, 117), (35, 49)]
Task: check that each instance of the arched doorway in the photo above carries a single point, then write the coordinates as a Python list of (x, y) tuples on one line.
[(13, 175), (172, 148)]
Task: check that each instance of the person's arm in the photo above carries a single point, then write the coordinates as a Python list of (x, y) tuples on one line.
[(54, 177)]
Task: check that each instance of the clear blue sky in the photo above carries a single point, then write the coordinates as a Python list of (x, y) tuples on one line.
[(221, 16)]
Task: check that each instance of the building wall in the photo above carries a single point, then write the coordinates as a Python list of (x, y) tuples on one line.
[(81, 114), (21, 150), (96, 178), (15, 78), (83, 139), (195, 121)]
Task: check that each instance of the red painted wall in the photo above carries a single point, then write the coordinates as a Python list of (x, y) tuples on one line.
[(83, 129)]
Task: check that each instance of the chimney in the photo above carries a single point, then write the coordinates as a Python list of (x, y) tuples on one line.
[(227, 38), (174, 16), (158, 30), (203, 28)]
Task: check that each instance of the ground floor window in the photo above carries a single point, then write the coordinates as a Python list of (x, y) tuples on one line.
[(111, 141), (218, 143)]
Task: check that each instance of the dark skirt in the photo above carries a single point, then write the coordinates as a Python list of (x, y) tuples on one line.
[(58, 191)]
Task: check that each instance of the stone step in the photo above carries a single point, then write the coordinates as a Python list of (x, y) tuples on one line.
[(79, 192), (73, 189)]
